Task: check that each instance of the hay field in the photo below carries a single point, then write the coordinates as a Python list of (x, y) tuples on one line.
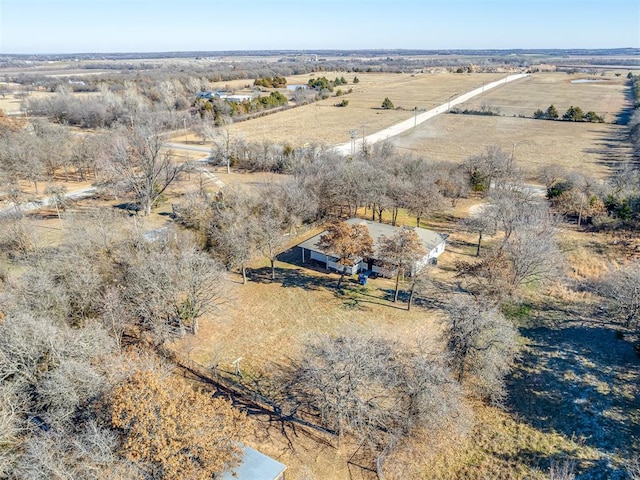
[(588, 147), (602, 94), (322, 122)]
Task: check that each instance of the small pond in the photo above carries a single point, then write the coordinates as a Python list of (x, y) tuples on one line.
[(589, 80)]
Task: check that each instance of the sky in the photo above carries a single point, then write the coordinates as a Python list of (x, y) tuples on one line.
[(81, 26)]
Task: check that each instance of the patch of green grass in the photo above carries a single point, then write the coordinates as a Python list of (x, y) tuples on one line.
[(517, 312)]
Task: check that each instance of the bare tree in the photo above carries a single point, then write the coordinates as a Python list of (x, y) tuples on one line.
[(401, 253), (58, 196), (270, 224), (223, 142), (138, 161), (373, 389), (169, 287), (494, 168), (421, 196), (621, 287), (480, 344), (481, 223), (232, 234)]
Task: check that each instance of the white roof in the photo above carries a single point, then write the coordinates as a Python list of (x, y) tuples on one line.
[(255, 466), (429, 238)]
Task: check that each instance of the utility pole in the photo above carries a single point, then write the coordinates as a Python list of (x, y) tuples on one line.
[(353, 142), (415, 117)]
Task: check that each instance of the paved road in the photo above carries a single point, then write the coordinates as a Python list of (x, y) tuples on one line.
[(9, 209), (192, 148), (408, 124)]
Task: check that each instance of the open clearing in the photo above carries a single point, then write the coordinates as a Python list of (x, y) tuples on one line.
[(603, 95), (591, 148)]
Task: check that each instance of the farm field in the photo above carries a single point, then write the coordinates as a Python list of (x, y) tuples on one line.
[(592, 148), (322, 122)]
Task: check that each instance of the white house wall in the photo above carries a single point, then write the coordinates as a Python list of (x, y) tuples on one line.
[(321, 257)]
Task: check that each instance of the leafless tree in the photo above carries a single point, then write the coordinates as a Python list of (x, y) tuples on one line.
[(53, 366), (482, 223), (494, 168), (514, 207), (271, 221), (621, 287), (421, 196), (373, 389), (401, 253), (168, 287), (139, 162), (480, 344), (562, 470), (232, 235), (224, 143)]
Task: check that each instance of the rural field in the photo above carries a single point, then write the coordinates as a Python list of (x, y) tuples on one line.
[(568, 347), (592, 148), (323, 123)]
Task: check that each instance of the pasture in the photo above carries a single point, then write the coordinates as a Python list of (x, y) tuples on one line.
[(322, 122), (592, 148)]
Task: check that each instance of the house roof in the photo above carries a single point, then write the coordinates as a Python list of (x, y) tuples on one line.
[(254, 466), (429, 238)]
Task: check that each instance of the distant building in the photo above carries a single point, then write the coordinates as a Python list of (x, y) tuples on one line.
[(223, 95), (433, 242)]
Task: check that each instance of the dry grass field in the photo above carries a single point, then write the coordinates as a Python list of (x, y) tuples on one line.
[(587, 147), (322, 122), (601, 94)]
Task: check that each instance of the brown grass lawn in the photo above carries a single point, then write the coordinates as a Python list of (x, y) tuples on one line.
[(588, 148), (266, 322), (269, 321)]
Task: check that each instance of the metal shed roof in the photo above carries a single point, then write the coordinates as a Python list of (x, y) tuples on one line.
[(430, 238), (255, 466)]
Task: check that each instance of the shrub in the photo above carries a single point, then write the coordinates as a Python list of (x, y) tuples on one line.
[(387, 104)]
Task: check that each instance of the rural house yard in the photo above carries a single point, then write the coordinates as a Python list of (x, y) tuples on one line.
[(181, 288)]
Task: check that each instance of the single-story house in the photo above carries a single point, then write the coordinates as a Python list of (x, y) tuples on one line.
[(434, 244), (222, 95), (214, 94), (255, 466)]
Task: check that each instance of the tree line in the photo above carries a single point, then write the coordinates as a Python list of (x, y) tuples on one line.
[(573, 114)]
